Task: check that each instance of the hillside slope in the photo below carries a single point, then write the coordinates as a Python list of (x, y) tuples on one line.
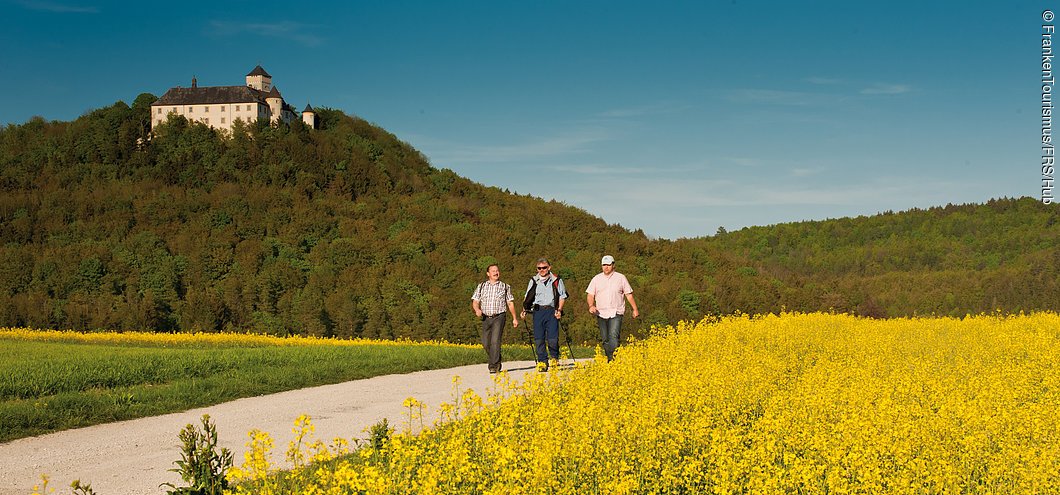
[(951, 260), (348, 231)]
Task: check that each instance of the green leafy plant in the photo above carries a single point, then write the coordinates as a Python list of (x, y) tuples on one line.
[(201, 465), (79, 489), (379, 435)]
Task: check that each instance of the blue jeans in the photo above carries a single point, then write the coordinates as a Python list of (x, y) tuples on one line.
[(609, 328), (546, 329)]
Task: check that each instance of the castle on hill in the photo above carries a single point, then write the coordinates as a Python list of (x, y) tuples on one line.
[(220, 106)]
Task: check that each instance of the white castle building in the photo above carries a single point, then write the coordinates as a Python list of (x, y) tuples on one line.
[(220, 106)]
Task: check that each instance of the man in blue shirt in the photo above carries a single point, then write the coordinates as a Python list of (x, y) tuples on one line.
[(549, 295)]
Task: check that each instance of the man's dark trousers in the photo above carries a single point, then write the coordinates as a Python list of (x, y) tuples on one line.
[(492, 329), (546, 329)]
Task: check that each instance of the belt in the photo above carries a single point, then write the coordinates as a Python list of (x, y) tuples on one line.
[(493, 316)]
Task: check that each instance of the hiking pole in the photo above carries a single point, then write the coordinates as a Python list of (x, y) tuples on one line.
[(566, 334), (530, 334)]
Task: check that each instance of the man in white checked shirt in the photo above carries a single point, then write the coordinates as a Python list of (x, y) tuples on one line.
[(488, 301)]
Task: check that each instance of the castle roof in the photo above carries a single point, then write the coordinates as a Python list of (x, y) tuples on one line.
[(274, 93), (211, 94), (308, 109), (258, 71)]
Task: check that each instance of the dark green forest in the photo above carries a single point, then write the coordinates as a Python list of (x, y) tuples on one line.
[(347, 231)]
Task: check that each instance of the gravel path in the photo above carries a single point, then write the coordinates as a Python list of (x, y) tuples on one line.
[(133, 457)]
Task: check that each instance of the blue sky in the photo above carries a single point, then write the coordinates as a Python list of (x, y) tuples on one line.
[(671, 117)]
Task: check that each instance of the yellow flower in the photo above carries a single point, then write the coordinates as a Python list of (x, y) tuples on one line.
[(790, 403), (199, 339)]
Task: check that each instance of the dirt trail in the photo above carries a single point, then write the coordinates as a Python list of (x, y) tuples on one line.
[(133, 457)]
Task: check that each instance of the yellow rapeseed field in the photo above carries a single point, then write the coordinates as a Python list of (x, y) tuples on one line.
[(797, 403), (198, 339)]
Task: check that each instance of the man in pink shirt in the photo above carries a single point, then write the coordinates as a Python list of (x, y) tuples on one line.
[(605, 297)]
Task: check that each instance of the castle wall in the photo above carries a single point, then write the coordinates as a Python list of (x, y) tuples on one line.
[(217, 115)]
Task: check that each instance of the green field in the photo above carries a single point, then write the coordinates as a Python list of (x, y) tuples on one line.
[(51, 386), (63, 383)]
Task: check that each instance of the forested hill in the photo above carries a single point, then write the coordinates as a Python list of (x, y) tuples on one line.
[(950, 260), (347, 231)]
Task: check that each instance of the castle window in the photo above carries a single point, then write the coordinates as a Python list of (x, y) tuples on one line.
[(222, 109), (207, 109), (206, 120), (222, 120), (160, 110), (191, 109)]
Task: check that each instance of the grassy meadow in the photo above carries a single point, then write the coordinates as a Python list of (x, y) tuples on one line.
[(57, 380), (796, 403)]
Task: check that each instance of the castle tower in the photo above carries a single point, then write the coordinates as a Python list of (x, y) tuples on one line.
[(309, 117), (259, 80), (275, 102)]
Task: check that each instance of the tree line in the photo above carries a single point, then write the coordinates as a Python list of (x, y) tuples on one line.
[(347, 231)]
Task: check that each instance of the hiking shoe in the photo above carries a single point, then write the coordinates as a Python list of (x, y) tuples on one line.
[(542, 366)]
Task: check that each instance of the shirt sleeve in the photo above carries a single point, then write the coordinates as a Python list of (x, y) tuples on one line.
[(626, 288), (591, 289), (562, 290), (508, 290), (477, 295)]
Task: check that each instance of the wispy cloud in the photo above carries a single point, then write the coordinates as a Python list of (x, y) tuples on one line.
[(641, 110), (812, 98), (886, 89), (607, 170), (691, 206), (779, 97), (649, 170), (62, 8), (531, 150), (743, 161), (696, 193), (294, 31), (805, 172), (824, 81)]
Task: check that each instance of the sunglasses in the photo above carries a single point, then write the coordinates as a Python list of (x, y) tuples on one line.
[(542, 268)]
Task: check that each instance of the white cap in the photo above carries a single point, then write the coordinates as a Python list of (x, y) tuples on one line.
[(607, 260)]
